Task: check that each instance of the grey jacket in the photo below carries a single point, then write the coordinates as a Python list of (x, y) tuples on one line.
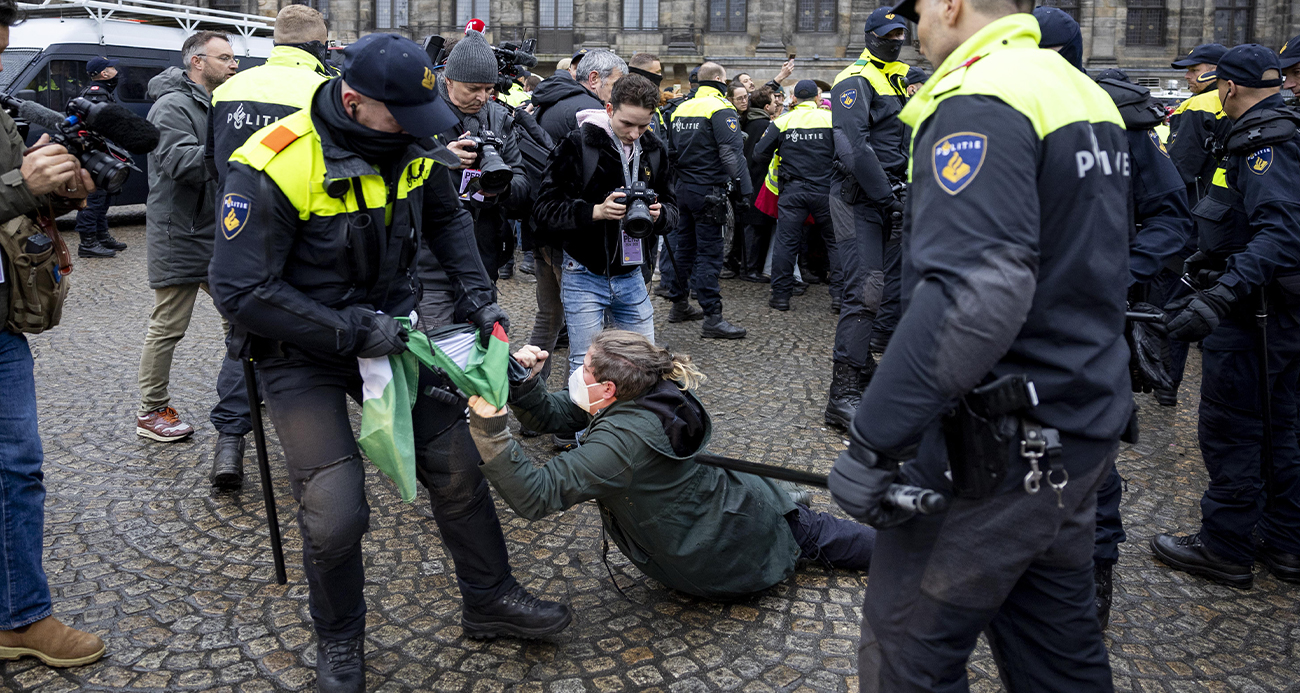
[(180, 216)]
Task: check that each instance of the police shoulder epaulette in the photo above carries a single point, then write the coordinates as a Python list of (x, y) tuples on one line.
[(1262, 128), (1139, 110), (279, 138)]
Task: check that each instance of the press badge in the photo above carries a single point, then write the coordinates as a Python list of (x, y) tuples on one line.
[(631, 250)]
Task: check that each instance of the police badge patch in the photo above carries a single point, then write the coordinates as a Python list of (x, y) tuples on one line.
[(234, 215), (1259, 162), (848, 98), (733, 123), (957, 160), (1155, 139)]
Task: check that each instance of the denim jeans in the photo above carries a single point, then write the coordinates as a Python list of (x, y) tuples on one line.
[(588, 297), (24, 592)]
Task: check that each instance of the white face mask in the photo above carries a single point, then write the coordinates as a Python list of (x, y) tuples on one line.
[(578, 390)]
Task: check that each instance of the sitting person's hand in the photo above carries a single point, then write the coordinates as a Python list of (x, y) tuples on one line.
[(484, 409), (532, 358)]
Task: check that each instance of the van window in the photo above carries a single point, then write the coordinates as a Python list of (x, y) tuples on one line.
[(133, 82), (59, 82), (15, 60)]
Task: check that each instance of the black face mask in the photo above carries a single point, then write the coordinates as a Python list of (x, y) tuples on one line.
[(109, 84), (316, 48), (721, 87), (375, 146), (883, 48), (657, 79)]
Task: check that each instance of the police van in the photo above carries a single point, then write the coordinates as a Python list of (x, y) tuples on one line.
[(47, 54)]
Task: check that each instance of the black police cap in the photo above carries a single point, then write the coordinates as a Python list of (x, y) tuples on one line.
[(1249, 65), (1208, 53), (1290, 54), (395, 71)]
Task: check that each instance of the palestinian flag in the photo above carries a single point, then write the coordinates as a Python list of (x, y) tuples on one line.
[(474, 368)]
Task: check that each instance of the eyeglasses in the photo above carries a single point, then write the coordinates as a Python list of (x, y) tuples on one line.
[(227, 59)]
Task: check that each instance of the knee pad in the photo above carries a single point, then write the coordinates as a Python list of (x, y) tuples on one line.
[(334, 512)]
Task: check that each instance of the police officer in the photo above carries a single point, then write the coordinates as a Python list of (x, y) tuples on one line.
[(92, 220), (1197, 122), (803, 140), (314, 255), (1014, 271), (870, 155), (710, 156), (466, 84), (1249, 225), (1289, 60), (244, 104)]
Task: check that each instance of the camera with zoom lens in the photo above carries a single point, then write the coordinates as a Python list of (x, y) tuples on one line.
[(510, 58), (109, 165), (496, 174), (637, 221)]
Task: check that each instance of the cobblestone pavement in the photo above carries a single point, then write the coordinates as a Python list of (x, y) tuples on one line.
[(178, 578)]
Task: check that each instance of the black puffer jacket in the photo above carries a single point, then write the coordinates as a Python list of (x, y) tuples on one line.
[(558, 101), (564, 202)]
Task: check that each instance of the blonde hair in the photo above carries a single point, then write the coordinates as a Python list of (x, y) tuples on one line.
[(300, 24), (635, 365)]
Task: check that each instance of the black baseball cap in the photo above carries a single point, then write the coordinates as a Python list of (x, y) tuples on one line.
[(1208, 53), (577, 57), (394, 70), (1246, 64), (884, 20), (1290, 53), (1113, 73), (806, 89), (694, 77), (95, 66), (905, 9)]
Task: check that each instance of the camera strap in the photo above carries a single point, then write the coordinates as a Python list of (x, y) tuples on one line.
[(632, 251)]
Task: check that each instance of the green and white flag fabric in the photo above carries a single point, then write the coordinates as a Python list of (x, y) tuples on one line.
[(390, 386)]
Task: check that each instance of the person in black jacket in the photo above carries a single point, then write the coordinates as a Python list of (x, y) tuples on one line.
[(581, 201), (558, 99), (92, 220), (764, 105)]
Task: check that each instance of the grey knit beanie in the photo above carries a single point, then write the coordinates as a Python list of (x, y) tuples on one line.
[(472, 60)]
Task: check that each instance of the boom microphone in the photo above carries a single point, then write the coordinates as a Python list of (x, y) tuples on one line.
[(37, 114), (118, 124)]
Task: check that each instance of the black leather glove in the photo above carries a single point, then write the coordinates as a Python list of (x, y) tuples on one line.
[(859, 481), (1192, 318), (892, 211), (487, 316), (1148, 351), (386, 337)]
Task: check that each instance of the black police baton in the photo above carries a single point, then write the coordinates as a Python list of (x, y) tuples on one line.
[(922, 500), (264, 469), (1265, 402), (1144, 317)]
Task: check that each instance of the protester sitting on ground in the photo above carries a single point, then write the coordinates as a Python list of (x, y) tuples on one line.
[(702, 530)]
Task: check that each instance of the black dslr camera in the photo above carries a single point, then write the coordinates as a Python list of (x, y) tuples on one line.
[(637, 222), (510, 58), (496, 174), (109, 165)]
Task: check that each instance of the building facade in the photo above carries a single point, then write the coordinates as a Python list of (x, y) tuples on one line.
[(756, 36)]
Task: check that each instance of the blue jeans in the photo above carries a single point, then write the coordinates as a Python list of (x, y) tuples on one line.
[(588, 297), (24, 591)]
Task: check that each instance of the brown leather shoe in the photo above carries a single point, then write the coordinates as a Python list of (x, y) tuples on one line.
[(52, 642)]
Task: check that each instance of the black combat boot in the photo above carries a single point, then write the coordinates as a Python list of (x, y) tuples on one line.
[(341, 665), (779, 302), (90, 247), (1102, 579), (683, 311), (879, 341), (228, 462), (518, 614), (716, 327), (1284, 566), (527, 265), (106, 239), (1188, 554), (1166, 398), (842, 402), (865, 373)]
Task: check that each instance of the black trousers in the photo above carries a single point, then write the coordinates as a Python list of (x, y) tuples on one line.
[(696, 246), (306, 396), (860, 242), (793, 208), (1012, 565)]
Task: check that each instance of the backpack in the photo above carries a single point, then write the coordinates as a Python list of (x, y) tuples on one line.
[(36, 265), (534, 148)]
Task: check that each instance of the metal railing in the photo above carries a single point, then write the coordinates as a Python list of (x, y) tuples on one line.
[(151, 11)]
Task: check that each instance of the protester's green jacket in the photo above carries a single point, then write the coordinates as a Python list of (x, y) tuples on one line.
[(698, 529)]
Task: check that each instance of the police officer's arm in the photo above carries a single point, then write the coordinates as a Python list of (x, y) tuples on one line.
[(851, 128), (1160, 207), (975, 259), (768, 145), (179, 153), (247, 264), (449, 232), (731, 148), (1189, 145), (1272, 201)]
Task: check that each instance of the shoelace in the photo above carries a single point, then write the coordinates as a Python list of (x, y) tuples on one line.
[(341, 652), (169, 415), (521, 597), (1189, 540)]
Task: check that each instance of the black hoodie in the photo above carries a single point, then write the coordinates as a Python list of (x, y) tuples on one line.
[(559, 99)]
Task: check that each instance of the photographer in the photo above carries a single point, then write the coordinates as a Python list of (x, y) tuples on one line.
[(47, 176), (467, 83), (92, 220), (706, 531), (583, 201)]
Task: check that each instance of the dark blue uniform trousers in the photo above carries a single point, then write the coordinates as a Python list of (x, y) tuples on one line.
[(1110, 526), (93, 218), (1012, 565), (891, 290), (1230, 432), (859, 240), (306, 395), (696, 246), (793, 207)]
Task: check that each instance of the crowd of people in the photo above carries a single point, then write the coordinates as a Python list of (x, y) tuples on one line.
[(1011, 248)]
